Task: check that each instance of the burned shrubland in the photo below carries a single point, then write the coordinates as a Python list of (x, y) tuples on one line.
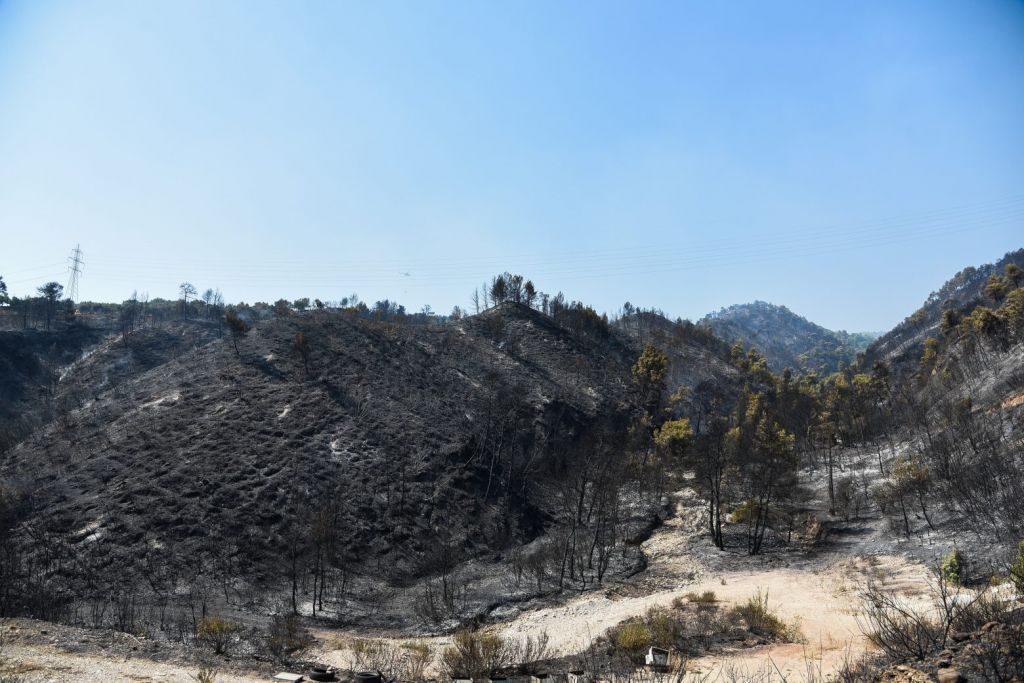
[(327, 449)]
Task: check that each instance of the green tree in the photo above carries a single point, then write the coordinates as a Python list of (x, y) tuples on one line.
[(764, 454), (1017, 570), (499, 289), (50, 293), (911, 477), (1012, 310), (649, 373), (928, 359), (1014, 274), (996, 288), (983, 322), (738, 354), (950, 322), (529, 293), (674, 438), (4, 298), (772, 475)]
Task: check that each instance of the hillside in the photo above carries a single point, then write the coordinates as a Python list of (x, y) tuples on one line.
[(30, 362), (416, 437), (786, 339), (699, 361), (903, 346), (374, 472)]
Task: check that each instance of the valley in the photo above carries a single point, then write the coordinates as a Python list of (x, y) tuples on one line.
[(261, 488)]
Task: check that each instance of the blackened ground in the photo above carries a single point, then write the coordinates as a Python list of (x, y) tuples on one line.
[(186, 452)]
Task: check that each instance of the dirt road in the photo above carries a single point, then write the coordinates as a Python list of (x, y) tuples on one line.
[(818, 590)]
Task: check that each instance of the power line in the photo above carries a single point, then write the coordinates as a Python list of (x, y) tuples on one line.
[(641, 257), (572, 266), (638, 257)]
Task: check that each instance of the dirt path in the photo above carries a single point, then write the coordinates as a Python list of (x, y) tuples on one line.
[(818, 591)]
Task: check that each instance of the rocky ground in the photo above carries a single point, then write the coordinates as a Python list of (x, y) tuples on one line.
[(995, 652)]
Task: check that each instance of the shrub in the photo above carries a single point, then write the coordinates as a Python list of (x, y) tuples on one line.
[(850, 498), (1017, 571), (705, 598), (904, 631), (529, 652), (286, 637), (417, 659), (475, 654), (633, 637), (216, 633), (205, 675), (984, 608), (762, 620), (369, 654), (693, 624), (895, 627), (664, 627), (405, 662), (953, 569), (744, 512), (748, 511)]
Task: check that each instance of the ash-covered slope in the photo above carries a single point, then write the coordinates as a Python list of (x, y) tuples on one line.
[(419, 432), (30, 363), (698, 360), (786, 339), (44, 374), (903, 346)]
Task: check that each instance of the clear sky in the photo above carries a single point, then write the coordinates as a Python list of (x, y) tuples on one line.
[(841, 158)]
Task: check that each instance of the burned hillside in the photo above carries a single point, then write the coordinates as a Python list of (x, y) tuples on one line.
[(903, 346), (30, 365), (413, 437)]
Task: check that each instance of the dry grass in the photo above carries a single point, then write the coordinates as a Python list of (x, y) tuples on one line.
[(206, 674), (764, 621)]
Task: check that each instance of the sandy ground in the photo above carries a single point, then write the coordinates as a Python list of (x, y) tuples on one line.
[(819, 591), (43, 663)]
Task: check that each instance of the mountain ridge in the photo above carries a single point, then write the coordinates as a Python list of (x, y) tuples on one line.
[(787, 339)]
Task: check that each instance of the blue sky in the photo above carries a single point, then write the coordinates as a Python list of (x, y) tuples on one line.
[(843, 159)]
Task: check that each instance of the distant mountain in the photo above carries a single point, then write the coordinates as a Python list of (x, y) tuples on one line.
[(786, 339), (902, 346)]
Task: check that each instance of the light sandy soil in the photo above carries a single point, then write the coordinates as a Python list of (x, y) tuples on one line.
[(817, 589), (33, 663)]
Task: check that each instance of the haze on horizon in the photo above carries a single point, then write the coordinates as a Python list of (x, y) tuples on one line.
[(842, 161)]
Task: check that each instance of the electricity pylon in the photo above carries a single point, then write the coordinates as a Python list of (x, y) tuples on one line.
[(75, 272)]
